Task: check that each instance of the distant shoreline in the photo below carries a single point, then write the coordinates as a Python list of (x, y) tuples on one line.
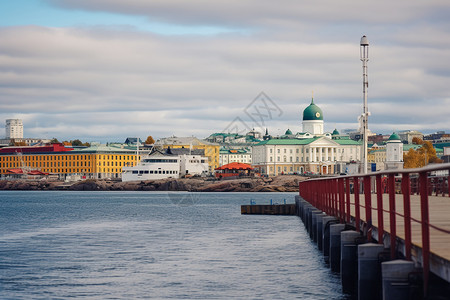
[(281, 183)]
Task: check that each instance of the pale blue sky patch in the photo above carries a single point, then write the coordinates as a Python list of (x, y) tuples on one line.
[(41, 13)]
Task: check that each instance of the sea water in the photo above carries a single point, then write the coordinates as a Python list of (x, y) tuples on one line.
[(155, 245)]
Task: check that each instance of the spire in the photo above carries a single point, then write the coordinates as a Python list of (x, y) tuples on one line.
[(312, 98)]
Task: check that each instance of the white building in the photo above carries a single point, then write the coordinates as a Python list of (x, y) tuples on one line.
[(242, 155), (394, 153), (14, 129), (311, 151)]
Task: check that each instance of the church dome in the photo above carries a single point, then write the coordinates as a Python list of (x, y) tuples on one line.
[(335, 132), (288, 132), (312, 112), (394, 137)]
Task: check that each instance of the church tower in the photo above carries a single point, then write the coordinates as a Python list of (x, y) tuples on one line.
[(313, 119)]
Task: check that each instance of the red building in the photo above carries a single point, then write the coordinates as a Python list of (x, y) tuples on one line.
[(234, 169)]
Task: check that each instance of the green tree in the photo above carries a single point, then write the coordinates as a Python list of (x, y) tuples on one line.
[(54, 141)]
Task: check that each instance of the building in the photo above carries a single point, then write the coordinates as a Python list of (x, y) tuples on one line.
[(211, 150), (14, 129), (407, 136), (438, 137), (96, 161), (394, 153), (234, 170), (312, 151), (241, 155)]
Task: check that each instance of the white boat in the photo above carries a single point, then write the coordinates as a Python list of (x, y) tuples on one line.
[(161, 165)]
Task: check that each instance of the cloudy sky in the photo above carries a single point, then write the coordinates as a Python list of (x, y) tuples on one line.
[(103, 70)]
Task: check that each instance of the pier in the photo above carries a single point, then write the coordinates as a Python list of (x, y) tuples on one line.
[(387, 233)]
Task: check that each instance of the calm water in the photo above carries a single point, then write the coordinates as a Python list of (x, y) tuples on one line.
[(129, 245)]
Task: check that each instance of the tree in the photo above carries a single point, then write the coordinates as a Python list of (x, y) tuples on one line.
[(417, 141), (149, 140), (66, 143), (54, 141), (421, 157), (76, 143), (412, 159)]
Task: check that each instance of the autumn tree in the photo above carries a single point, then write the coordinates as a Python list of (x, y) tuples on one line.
[(417, 141), (421, 157), (149, 140), (412, 159)]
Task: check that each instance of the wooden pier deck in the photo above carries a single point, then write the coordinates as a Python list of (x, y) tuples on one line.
[(439, 211)]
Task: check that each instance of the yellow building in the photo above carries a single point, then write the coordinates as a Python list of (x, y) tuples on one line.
[(212, 150), (98, 161)]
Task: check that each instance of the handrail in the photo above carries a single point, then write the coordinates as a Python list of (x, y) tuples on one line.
[(333, 196)]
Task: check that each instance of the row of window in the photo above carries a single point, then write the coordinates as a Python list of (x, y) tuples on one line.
[(47, 164), (307, 150), (152, 172)]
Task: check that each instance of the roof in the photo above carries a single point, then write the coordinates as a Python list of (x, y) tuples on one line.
[(235, 166), (35, 149), (312, 112), (394, 137), (335, 132), (288, 141), (347, 141)]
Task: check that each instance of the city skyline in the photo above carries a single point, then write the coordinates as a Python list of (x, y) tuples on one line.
[(103, 70)]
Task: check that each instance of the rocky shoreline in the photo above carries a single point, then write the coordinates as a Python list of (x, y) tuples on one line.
[(283, 183)]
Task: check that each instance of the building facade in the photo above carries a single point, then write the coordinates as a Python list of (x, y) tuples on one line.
[(211, 150), (242, 155), (98, 161), (14, 129)]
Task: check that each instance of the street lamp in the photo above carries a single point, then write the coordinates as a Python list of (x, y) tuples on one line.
[(364, 55)]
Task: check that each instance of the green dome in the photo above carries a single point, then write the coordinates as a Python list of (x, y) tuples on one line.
[(312, 112), (288, 132), (394, 137), (335, 132)]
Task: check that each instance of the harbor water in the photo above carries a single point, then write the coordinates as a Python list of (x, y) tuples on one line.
[(155, 245)]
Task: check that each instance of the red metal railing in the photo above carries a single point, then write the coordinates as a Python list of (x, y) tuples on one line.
[(334, 197)]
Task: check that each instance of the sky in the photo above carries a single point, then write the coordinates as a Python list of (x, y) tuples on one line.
[(104, 70)]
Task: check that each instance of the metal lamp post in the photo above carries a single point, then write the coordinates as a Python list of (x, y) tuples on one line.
[(364, 55)]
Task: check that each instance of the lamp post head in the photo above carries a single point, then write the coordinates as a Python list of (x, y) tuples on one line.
[(364, 41)]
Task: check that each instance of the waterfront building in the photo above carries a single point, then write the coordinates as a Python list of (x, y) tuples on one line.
[(312, 151), (14, 129), (211, 150), (96, 161), (234, 170)]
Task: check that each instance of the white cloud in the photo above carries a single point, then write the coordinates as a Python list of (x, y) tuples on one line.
[(108, 83)]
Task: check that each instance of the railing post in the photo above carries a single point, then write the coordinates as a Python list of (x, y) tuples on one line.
[(368, 206), (341, 200), (423, 182), (356, 193), (406, 190), (347, 194), (380, 209), (392, 213)]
